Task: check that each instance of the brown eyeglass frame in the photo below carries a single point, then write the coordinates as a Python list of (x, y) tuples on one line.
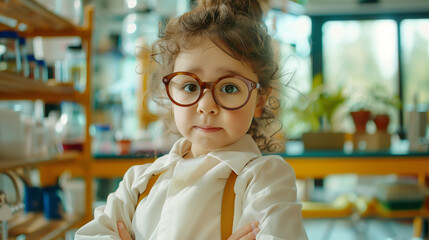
[(211, 85)]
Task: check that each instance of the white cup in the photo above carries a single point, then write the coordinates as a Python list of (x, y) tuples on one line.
[(74, 196)]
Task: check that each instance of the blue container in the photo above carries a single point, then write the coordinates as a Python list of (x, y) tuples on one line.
[(52, 206), (33, 199)]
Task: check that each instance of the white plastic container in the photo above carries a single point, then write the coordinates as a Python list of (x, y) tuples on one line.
[(12, 138), (103, 141), (74, 196)]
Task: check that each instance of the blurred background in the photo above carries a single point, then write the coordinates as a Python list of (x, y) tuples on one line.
[(356, 78)]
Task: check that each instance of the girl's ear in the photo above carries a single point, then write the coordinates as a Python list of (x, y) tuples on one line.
[(262, 100)]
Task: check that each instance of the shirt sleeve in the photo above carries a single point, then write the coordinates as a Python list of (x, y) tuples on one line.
[(120, 206), (269, 195)]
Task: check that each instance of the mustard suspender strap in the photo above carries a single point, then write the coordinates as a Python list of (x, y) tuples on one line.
[(227, 211), (149, 186), (228, 202)]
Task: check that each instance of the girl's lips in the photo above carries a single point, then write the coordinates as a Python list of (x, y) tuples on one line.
[(208, 129)]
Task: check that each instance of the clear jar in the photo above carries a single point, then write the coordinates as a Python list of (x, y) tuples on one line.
[(10, 56), (39, 146), (25, 69), (53, 141), (75, 67), (58, 71), (43, 70), (71, 127), (103, 141)]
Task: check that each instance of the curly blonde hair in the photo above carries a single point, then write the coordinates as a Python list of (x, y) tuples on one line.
[(237, 28)]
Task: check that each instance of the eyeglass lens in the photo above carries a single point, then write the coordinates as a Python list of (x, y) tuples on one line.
[(229, 92)]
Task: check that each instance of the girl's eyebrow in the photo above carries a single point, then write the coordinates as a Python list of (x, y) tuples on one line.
[(223, 72), (228, 71), (195, 70)]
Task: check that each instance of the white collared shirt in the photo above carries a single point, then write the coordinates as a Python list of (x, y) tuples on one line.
[(187, 204)]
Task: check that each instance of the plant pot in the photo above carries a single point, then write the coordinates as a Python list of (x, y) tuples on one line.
[(323, 140), (360, 119), (382, 122), (124, 147)]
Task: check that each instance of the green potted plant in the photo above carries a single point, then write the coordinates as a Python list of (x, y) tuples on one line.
[(317, 109), (376, 104)]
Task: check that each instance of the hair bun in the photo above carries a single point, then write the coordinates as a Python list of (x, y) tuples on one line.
[(254, 9)]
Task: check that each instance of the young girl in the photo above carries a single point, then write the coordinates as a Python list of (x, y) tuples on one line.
[(217, 73)]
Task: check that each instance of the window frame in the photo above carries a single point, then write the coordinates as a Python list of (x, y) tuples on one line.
[(317, 22)]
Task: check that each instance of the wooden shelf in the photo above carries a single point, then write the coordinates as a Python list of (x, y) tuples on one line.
[(320, 167), (31, 19), (38, 21), (336, 209), (36, 226), (10, 164), (35, 16), (305, 167), (108, 168), (16, 87)]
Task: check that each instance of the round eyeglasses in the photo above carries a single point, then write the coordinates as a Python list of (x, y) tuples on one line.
[(229, 92)]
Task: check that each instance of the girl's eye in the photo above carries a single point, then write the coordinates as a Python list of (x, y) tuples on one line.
[(229, 88), (191, 87)]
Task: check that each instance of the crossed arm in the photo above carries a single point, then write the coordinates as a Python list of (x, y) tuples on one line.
[(247, 232)]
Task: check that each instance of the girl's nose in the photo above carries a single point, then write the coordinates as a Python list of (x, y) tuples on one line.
[(207, 104)]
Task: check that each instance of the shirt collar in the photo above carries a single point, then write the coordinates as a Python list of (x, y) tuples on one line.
[(166, 161), (235, 155), (238, 154), (179, 149)]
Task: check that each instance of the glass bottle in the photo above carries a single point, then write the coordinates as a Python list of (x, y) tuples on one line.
[(39, 146), (53, 141), (74, 67), (10, 57), (25, 69), (33, 69), (42, 70)]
